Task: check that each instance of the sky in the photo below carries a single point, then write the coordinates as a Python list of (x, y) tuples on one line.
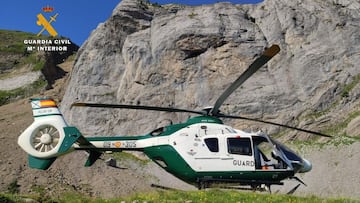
[(76, 18)]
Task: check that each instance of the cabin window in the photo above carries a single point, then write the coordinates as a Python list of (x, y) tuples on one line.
[(212, 144), (241, 146)]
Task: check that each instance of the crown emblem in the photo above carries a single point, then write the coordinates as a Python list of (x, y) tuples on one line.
[(48, 9)]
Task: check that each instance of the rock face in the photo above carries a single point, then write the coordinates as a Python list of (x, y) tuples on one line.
[(185, 57)]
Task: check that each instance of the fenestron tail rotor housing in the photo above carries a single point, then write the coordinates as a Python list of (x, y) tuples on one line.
[(45, 138)]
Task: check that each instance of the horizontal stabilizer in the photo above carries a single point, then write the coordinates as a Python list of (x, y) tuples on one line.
[(72, 134)]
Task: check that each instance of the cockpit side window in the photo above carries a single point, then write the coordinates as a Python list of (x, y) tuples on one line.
[(241, 146), (212, 144)]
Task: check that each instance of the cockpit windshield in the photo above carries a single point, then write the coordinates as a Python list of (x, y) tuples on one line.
[(266, 155), (271, 153), (291, 155)]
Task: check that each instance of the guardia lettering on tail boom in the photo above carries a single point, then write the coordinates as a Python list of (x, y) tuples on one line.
[(201, 151)]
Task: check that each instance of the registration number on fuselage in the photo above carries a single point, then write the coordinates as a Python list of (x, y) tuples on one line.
[(130, 144)]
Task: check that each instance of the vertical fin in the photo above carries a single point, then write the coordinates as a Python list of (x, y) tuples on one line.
[(42, 164)]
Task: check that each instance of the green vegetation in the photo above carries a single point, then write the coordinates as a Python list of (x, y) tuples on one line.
[(318, 114), (19, 60), (340, 137), (192, 15), (347, 88), (39, 194), (337, 130), (13, 187), (13, 41), (189, 197), (35, 60), (339, 127), (22, 92), (12, 44), (156, 5)]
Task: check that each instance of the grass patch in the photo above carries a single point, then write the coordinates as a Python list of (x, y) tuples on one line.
[(202, 196), (345, 93), (347, 88), (221, 196), (13, 187), (13, 41), (12, 44), (336, 129), (33, 60), (318, 114), (38, 62), (192, 15), (7, 96), (340, 138), (128, 157)]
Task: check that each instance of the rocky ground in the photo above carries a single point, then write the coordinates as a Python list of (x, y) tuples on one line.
[(20, 80), (334, 174)]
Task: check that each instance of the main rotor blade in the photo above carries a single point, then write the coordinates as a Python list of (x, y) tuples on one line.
[(139, 107), (256, 65), (272, 123)]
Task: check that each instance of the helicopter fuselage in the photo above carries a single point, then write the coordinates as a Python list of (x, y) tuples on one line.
[(204, 150)]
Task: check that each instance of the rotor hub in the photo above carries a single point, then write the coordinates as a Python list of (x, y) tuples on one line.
[(46, 139)]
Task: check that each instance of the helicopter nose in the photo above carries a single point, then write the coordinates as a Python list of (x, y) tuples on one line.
[(307, 166)]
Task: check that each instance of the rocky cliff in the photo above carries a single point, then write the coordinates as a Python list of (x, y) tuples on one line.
[(182, 56)]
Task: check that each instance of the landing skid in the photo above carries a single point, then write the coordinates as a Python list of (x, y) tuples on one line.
[(293, 190), (254, 189), (163, 187)]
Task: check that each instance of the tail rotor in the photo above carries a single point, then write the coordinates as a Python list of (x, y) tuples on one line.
[(45, 138)]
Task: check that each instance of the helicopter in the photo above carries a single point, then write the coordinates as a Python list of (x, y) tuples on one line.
[(202, 151)]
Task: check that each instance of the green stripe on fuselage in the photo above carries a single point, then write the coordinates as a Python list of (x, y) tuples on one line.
[(177, 166), (117, 138)]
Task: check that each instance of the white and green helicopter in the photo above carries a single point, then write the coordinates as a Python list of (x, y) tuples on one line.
[(201, 151)]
